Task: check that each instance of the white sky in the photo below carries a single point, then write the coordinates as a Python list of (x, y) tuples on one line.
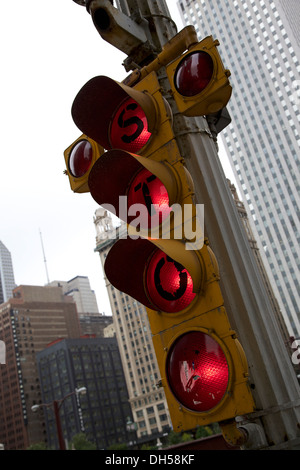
[(50, 49)]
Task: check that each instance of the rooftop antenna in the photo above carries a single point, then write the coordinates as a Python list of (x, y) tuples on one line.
[(45, 261)]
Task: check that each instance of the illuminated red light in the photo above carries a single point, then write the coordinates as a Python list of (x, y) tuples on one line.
[(146, 189), (197, 371), (168, 283), (193, 73), (129, 127), (80, 158)]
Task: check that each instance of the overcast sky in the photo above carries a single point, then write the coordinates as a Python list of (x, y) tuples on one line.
[(50, 49)]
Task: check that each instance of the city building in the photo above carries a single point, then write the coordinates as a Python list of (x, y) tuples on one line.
[(109, 331), (7, 279), (260, 45), (245, 219), (92, 322), (32, 318), (132, 329), (95, 324), (103, 413), (80, 290)]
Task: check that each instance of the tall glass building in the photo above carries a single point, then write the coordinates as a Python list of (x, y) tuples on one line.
[(7, 279), (260, 44)]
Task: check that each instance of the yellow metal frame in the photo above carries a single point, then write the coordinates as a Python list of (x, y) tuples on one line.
[(237, 399), (217, 93), (161, 156), (147, 93), (80, 185)]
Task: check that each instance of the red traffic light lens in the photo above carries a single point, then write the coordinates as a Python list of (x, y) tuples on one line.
[(146, 189), (129, 127), (80, 158), (168, 283), (193, 73), (197, 371)]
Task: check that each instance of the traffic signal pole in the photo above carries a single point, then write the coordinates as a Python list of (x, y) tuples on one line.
[(275, 387), (275, 422)]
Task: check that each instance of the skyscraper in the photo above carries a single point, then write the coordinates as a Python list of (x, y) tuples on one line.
[(32, 318), (7, 280), (80, 290), (260, 44), (95, 364)]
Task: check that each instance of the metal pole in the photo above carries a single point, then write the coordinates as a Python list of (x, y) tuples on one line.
[(61, 441), (275, 387)]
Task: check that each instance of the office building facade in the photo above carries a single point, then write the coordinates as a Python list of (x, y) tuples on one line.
[(264, 277), (80, 290), (32, 318), (103, 413), (259, 43), (94, 324)]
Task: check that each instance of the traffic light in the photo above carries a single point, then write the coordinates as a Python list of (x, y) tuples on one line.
[(203, 367), (80, 157), (121, 117), (199, 81), (163, 261)]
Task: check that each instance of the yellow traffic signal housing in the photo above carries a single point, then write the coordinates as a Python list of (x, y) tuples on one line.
[(163, 261), (135, 119), (203, 367), (164, 189), (80, 158), (199, 82), (163, 266), (204, 373)]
